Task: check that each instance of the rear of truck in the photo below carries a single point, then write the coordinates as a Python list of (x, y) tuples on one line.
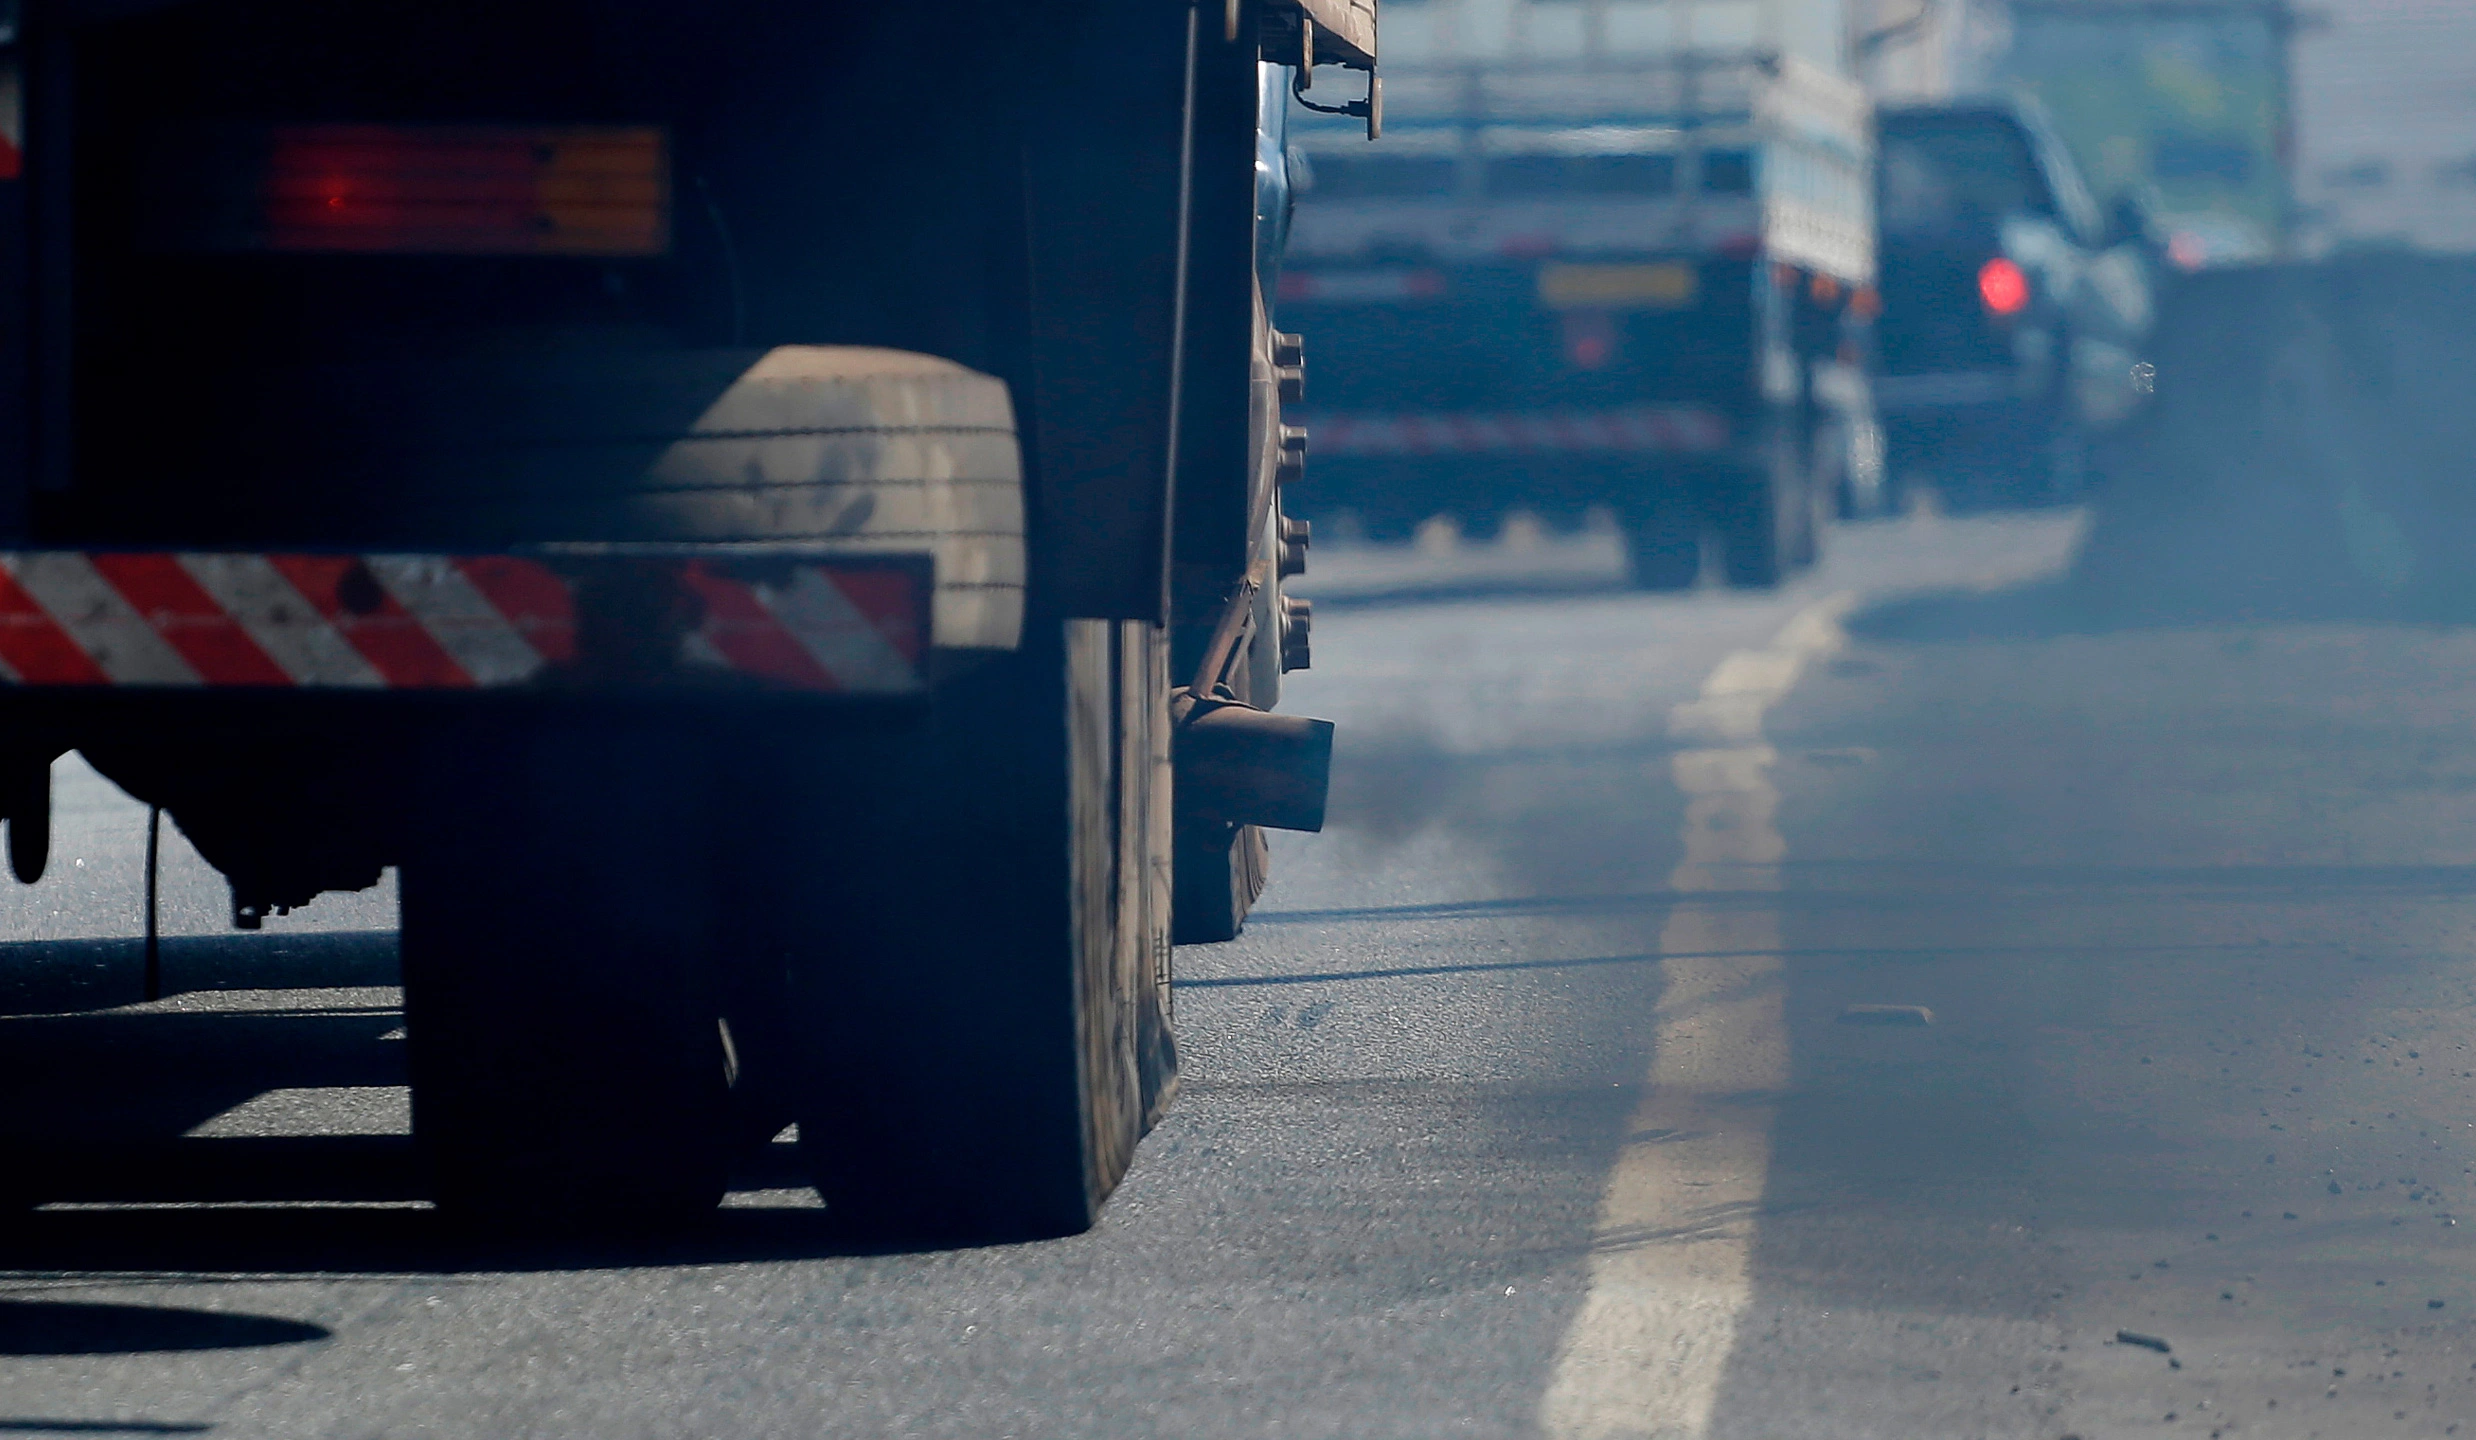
[(768, 515), (1640, 285)]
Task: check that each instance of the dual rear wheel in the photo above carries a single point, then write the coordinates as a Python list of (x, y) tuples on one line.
[(938, 944), (1763, 525)]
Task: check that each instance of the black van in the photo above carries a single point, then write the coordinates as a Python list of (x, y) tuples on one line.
[(2014, 313)]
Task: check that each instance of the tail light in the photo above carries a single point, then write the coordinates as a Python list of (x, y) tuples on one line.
[(471, 191), (2003, 287), (414, 190)]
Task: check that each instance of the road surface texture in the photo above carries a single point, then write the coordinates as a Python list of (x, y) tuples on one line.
[(1834, 1014)]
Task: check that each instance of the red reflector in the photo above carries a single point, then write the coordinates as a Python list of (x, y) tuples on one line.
[(12, 121), (2003, 287), (1590, 339), (1362, 286), (466, 190)]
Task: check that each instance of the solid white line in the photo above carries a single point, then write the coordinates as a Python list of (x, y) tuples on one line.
[(1668, 1273)]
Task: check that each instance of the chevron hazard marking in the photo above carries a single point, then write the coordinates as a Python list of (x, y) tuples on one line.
[(448, 622)]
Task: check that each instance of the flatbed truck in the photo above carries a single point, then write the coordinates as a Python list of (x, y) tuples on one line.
[(1629, 270)]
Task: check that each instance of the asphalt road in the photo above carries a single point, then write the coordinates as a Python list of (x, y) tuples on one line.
[(1836, 1013)]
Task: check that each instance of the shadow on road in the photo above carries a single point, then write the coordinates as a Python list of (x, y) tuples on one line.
[(30, 1425), (1833, 888), (2001, 954), (400, 1238), (103, 1166), (2076, 605), (59, 976), (77, 1327), (1414, 592)]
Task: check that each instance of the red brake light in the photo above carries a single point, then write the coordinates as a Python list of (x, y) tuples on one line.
[(2003, 287)]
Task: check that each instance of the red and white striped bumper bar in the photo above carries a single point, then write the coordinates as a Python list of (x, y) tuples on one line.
[(598, 621), (1643, 429)]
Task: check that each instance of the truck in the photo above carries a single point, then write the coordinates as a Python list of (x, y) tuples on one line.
[(1628, 268), (767, 517), (2385, 102)]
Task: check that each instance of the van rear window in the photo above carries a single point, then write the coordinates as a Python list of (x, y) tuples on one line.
[(1957, 173)]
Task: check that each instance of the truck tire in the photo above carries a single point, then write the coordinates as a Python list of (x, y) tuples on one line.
[(988, 1015), (1664, 544), (1752, 552), (1763, 512), (568, 1062), (1749, 556), (1817, 506), (853, 448)]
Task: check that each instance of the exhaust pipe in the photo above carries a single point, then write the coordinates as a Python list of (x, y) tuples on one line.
[(1236, 765)]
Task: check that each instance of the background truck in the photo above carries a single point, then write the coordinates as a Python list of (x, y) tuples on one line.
[(768, 514), (1625, 266)]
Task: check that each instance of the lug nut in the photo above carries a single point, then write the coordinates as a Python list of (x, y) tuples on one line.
[(1288, 349), (1297, 627), (1296, 537), (1292, 466)]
